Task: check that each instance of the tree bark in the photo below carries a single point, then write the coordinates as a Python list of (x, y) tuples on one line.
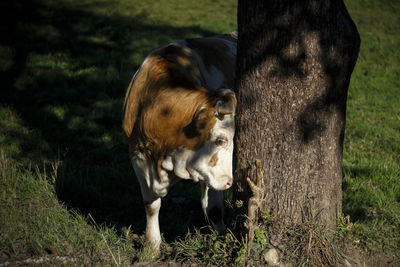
[(294, 63)]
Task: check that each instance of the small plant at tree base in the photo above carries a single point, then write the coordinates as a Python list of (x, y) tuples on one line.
[(344, 225), (306, 243)]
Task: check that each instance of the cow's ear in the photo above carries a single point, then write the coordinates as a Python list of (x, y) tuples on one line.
[(226, 104)]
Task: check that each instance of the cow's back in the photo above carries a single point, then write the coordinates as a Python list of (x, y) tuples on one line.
[(215, 58)]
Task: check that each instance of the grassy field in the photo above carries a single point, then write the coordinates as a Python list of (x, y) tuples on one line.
[(64, 69)]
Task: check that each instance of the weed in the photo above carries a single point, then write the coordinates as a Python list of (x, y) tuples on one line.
[(207, 249)]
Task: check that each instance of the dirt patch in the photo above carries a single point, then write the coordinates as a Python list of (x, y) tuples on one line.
[(359, 257)]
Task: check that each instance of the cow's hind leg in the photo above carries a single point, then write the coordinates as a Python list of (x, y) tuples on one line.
[(212, 202)]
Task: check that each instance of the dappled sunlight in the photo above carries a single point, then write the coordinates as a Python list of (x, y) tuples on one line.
[(66, 67)]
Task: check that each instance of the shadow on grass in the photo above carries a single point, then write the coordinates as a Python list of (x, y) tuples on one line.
[(64, 72), (356, 201)]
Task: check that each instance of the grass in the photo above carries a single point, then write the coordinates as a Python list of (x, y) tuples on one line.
[(34, 222), (64, 69), (372, 152)]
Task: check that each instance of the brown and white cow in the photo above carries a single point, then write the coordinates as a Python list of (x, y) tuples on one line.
[(179, 121)]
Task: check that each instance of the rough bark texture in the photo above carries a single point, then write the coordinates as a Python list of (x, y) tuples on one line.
[(295, 59)]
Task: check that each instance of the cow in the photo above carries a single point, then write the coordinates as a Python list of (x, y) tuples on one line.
[(178, 117)]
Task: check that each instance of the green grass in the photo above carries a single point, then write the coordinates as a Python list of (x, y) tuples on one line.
[(372, 149), (33, 222), (64, 67)]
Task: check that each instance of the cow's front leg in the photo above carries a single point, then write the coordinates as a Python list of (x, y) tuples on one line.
[(152, 202), (153, 236), (212, 202)]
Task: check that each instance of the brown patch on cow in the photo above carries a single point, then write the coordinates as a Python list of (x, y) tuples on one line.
[(184, 61), (213, 161), (227, 105), (149, 210), (160, 68), (230, 97), (165, 108), (166, 111), (199, 123)]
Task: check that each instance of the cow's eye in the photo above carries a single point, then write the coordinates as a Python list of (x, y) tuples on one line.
[(221, 141)]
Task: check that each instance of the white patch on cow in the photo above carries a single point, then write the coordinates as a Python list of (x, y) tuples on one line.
[(180, 157), (176, 161), (219, 176), (222, 172), (167, 164), (235, 33), (212, 199), (204, 197), (145, 172), (194, 165), (164, 177), (153, 234), (150, 189), (213, 77)]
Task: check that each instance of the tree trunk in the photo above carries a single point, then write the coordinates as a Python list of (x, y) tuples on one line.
[(294, 63)]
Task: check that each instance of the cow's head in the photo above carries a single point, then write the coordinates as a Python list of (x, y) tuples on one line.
[(211, 160)]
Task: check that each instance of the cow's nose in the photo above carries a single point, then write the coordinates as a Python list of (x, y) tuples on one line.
[(228, 183)]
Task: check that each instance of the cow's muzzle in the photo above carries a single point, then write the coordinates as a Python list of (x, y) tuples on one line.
[(229, 182)]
